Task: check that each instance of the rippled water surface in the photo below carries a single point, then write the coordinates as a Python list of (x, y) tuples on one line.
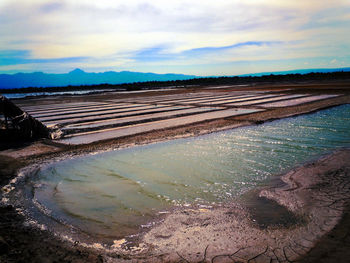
[(114, 192)]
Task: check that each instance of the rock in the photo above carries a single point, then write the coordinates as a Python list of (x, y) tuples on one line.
[(18, 124)]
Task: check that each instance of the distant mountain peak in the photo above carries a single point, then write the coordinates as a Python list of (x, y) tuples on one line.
[(77, 71), (79, 77)]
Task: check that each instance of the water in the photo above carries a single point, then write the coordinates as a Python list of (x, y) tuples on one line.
[(76, 92), (53, 93), (111, 194)]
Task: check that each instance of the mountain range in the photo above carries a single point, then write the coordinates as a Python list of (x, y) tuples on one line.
[(78, 77), (297, 71)]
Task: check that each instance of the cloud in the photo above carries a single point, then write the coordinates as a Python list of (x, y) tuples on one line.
[(160, 33), (230, 47), (13, 57), (153, 54), (51, 7), (334, 17), (165, 53)]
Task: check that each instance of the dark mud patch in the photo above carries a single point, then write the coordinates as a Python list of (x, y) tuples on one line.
[(268, 213), (8, 168)]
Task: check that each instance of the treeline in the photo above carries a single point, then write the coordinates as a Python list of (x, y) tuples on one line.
[(205, 81)]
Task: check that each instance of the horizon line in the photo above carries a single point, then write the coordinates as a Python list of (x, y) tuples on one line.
[(244, 74)]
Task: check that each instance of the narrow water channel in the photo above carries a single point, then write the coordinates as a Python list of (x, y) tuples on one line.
[(113, 193)]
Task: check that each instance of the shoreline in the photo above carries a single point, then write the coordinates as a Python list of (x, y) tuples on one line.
[(163, 241), (27, 241), (245, 241)]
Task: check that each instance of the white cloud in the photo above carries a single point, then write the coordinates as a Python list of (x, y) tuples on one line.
[(113, 32)]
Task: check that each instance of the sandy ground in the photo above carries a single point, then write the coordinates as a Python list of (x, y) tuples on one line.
[(319, 203)]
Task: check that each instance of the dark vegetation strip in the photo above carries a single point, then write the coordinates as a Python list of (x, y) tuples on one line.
[(210, 81)]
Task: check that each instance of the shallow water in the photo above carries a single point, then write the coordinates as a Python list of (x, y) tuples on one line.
[(57, 93), (111, 194)]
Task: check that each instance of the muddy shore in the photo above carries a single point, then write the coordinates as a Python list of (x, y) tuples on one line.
[(202, 235), (316, 193)]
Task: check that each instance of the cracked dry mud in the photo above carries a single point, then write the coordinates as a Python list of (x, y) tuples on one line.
[(318, 193)]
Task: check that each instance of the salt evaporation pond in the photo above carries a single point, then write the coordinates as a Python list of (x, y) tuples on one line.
[(111, 194)]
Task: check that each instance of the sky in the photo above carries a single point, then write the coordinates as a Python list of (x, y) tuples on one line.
[(196, 37)]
